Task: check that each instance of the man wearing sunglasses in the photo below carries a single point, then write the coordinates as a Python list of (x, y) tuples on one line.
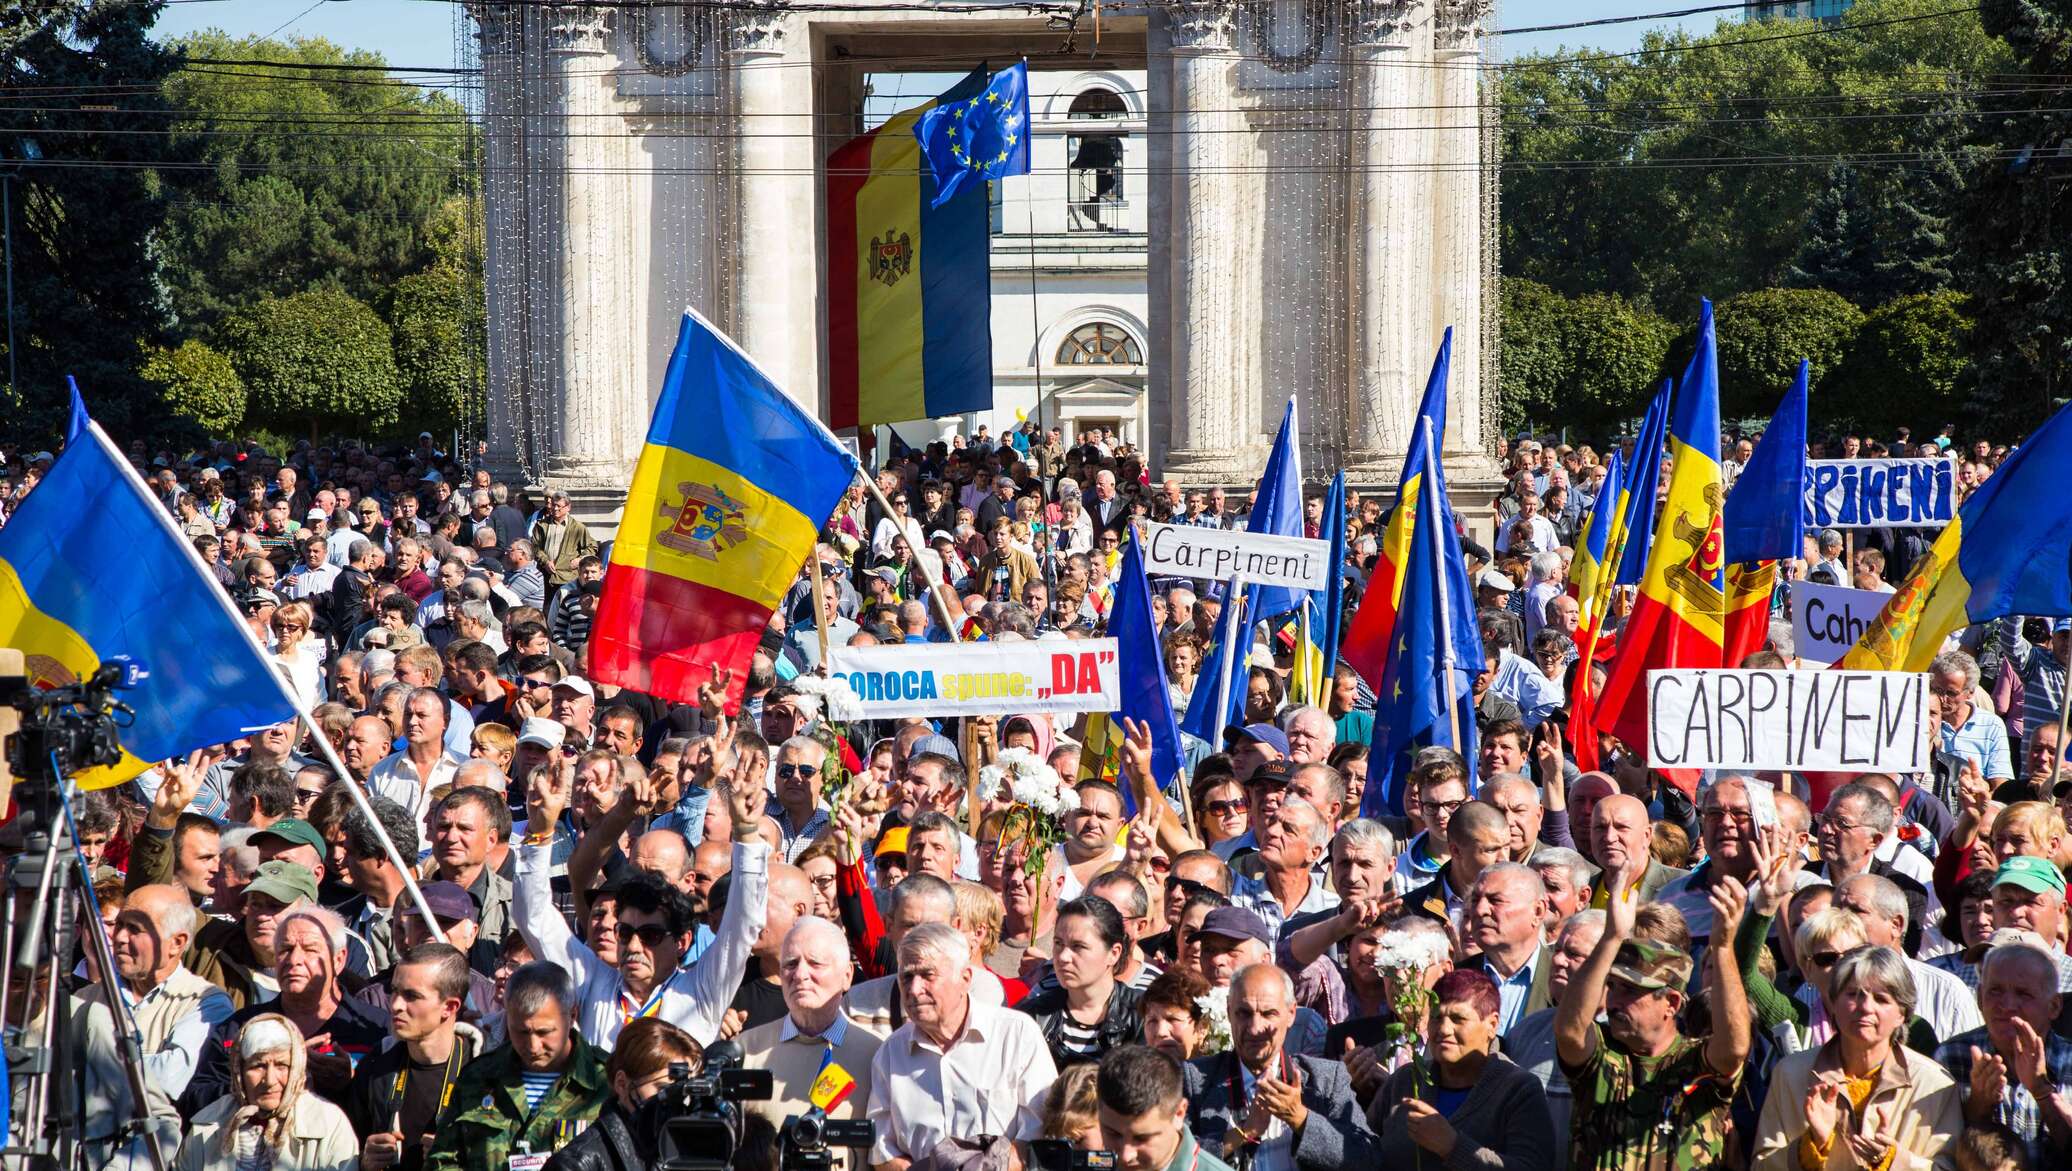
[(801, 771)]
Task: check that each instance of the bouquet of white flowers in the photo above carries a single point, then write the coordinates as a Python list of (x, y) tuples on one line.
[(1402, 958), (828, 697), (1038, 800), (1215, 1005)]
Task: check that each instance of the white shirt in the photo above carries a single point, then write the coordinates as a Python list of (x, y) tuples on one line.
[(396, 779), (985, 1083), (1544, 538), (1942, 999), (881, 537), (693, 999), (304, 582)]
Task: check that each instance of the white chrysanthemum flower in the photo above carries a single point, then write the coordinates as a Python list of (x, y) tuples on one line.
[(1215, 1005), (831, 696), (1409, 951)]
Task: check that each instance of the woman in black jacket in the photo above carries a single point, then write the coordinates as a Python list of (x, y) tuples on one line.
[(1090, 1011)]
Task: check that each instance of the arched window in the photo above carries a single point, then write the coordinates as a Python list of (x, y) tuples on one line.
[(1097, 103), (1100, 343)]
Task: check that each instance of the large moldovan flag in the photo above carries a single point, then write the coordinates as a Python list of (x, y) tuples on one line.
[(91, 567), (729, 495), (909, 285), (1679, 616), (2006, 553)]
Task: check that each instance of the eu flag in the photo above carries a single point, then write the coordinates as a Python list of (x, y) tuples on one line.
[(1144, 695), (1334, 595), (1436, 620), (1229, 645), (1643, 481), (1277, 510), (73, 595), (985, 136), (1765, 514)]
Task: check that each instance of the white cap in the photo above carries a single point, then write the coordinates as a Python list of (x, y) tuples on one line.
[(577, 684), (542, 731), (1490, 579)]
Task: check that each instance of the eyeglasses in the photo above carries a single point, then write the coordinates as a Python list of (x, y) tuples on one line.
[(1823, 959), (788, 771), (1716, 816), (285, 627), (1190, 887), (1449, 808), (1839, 826), (1226, 808), (650, 935), (308, 794)]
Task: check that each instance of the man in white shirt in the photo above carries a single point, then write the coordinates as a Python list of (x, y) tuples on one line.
[(1941, 998), (957, 1071), (646, 980), (424, 764)]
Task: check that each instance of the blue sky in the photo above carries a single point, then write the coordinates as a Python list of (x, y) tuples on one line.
[(420, 32)]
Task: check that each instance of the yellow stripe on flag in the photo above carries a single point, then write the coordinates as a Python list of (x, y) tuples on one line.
[(1925, 608), (690, 518), (54, 656), (832, 1086), (1685, 561), (890, 371)]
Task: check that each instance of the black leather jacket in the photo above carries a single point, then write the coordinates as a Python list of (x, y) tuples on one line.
[(1122, 1024), (606, 1145)]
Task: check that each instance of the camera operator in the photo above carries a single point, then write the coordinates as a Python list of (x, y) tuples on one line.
[(519, 1103), (637, 1070)]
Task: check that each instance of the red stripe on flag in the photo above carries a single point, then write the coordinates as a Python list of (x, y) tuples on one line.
[(1365, 644), (663, 635), (1655, 637), (848, 168)]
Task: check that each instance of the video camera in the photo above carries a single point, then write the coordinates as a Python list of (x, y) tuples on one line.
[(808, 1140), (1057, 1154), (698, 1120), (69, 726)]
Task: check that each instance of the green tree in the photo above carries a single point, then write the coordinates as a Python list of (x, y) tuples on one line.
[(197, 382), (316, 360), (2017, 223), (1536, 362), (84, 215), (1589, 361), (438, 319), (314, 177), (1762, 337), (1909, 363)]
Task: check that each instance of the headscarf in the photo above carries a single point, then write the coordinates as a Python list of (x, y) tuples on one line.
[(263, 1034)]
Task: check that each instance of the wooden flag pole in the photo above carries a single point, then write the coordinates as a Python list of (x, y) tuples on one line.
[(1237, 638), (819, 604), (942, 606)]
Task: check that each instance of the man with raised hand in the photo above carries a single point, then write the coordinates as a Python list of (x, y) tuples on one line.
[(694, 999)]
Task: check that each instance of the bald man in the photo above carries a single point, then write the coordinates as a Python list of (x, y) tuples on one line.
[(1619, 830), (1583, 796), (760, 999)]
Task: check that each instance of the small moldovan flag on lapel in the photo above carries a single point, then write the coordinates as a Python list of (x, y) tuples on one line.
[(832, 1087)]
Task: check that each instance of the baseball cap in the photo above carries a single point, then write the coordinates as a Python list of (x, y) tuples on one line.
[(887, 574), (892, 841), (316, 514), (1273, 772), (1490, 579), (448, 900), (939, 745), (295, 832), (542, 731), (939, 535), (1651, 966), (2031, 874), (1266, 734), (288, 882), (1236, 923), (577, 684), (260, 597)]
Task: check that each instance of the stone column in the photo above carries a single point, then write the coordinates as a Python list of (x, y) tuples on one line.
[(1391, 349), (588, 427), (1457, 245), (1212, 401), (772, 225), (504, 214)]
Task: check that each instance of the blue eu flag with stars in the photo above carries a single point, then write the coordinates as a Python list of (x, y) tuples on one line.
[(984, 136)]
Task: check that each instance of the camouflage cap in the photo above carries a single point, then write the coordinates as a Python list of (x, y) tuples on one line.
[(1651, 966)]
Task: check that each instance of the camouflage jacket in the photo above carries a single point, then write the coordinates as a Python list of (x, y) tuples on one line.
[(1669, 1113), (487, 1121)]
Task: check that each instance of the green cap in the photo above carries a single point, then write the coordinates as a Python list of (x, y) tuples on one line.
[(295, 832), (2034, 874), (287, 882), (1651, 966)]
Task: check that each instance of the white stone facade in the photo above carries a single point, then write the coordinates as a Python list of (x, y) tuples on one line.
[(1306, 192)]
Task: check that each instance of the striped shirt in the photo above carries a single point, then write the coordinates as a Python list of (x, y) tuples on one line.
[(537, 1083)]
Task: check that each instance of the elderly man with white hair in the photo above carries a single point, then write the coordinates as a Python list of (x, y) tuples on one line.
[(2014, 1070), (1542, 585), (815, 971), (957, 1071), (1290, 844), (1311, 733), (1940, 998)]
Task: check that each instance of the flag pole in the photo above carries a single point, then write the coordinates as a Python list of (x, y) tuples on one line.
[(309, 726), (820, 603), (1446, 650), (1233, 597), (942, 607)]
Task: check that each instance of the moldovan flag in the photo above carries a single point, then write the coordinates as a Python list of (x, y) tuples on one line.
[(1633, 513), (77, 589), (832, 1087), (729, 495), (1370, 637), (909, 284), (1593, 564), (1679, 614), (2004, 554), (1764, 523)]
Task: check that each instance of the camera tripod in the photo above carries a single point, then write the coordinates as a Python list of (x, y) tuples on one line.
[(47, 1067)]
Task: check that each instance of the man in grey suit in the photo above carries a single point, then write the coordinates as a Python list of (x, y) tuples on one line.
[(1264, 1108)]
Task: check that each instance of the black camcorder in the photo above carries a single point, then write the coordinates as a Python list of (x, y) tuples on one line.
[(698, 1120), (1057, 1154), (808, 1141)]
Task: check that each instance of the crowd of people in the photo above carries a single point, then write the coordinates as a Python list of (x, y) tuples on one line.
[(1551, 969)]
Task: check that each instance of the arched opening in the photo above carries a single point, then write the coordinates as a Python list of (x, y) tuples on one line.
[(1100, 343)]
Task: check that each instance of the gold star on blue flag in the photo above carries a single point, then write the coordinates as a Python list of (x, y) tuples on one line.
[(988, 146)]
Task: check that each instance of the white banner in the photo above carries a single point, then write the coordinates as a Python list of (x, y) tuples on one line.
[(1880, 493), (1219, 554), (1827, 620), (1853, 721), (982, 678)]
